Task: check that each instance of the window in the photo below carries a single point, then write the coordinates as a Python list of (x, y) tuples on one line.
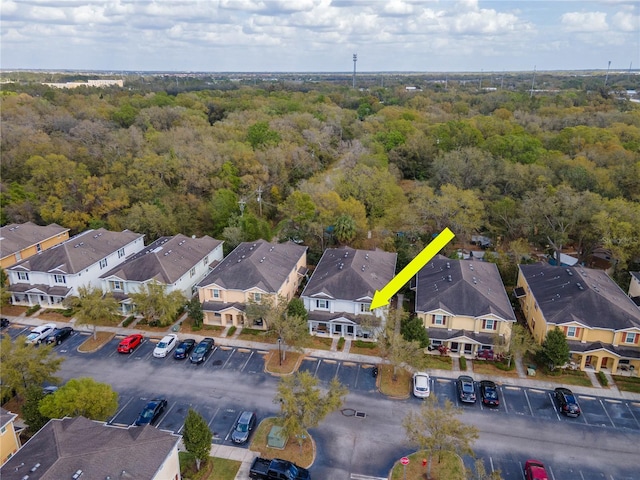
[(573, 332), (257, 297), (121, 253), (115, 285), (38, 247), (3, 429), (60, 279), (103, 263), (23, 276), (215, 293), (489, 324), (18, 256), (630, 337), (438, 319), (192, 272), (205, 262), (323, 304), (365, 307)]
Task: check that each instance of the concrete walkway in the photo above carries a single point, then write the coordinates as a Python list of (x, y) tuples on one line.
[(246, 456)]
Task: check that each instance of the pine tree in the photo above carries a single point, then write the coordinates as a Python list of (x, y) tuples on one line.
[(197, 437)]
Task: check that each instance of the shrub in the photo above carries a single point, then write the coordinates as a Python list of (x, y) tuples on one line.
[(463, 363), (68, 312), (128, 320), (232, 330), (341, 343), (504, 366), (31, 310), (252, 331), (602, 378)]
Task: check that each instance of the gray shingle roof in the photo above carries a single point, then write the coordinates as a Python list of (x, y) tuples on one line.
[(585, 295), (166, 260), (6, 416), (77, 253), (18, 236), (462, 287), (65, 446), (256, 264), (350, 274)]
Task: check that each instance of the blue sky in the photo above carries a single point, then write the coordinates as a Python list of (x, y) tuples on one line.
[(319, 35)]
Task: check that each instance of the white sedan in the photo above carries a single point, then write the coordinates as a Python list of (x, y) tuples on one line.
[(165, 345), (421, 385)]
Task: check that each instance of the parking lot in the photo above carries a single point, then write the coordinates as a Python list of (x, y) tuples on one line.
[(246, 365)]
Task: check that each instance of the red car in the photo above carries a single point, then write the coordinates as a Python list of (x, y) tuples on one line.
[(128, 344), (534, 470)]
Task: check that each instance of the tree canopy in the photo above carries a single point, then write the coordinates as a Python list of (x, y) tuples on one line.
[(197, 436), (81, 396)]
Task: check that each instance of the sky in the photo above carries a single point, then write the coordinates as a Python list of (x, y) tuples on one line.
[(320, 35)]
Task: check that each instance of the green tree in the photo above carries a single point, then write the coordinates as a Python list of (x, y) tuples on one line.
[(24, 365), (521, 342), (31, 409), (93, 307), (197, 437), (81, 396), (156, 305), (194, 309), (296, 309), (481, 472), (344, 229), (555, 348), (393, 345), (5, 295), (437, 429), (260, 135), (303, 404), (412, 330)]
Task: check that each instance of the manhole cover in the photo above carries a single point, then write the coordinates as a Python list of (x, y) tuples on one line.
[(348, 412)]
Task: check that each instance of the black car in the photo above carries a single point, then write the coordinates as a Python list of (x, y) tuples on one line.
[(567, 402), (466, 389), (244, 425), (202, 350), (489, 393), (59, 335), (184, 348), (4, 322), (151, 411)]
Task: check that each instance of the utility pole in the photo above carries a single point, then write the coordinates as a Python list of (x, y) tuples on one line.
[(606, 78), (355, 59), (533, 82), (242, 204), (259, 193)]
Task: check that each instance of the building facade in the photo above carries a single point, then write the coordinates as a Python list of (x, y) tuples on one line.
[(23, 240)]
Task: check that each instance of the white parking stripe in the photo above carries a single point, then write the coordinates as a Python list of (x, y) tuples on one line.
[(504, 402), (245, 363), (120, 411), (605, 411), (631, 412), (528, 402), (357, 476), (553, 477), (229, 357), (553, 404)]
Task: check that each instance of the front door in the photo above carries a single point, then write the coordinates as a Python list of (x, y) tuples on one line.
[(468, 348), (605, 360), (350, 330), (455, 346), (337, 329)]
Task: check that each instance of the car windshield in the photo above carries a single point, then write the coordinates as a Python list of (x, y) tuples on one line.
[(162, 345), (293, 471), (148, 413), (201, 348), (242, 427), (467, 387), (570, 399), (33, 336), (490, 392)]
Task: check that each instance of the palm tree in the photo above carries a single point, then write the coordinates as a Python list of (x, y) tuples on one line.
[(345, 229)]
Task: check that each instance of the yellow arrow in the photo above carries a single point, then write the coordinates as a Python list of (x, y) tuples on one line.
[(382, 297)]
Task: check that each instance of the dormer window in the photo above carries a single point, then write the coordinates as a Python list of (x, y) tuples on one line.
[(59, 279), (322, 304), (103, 263)]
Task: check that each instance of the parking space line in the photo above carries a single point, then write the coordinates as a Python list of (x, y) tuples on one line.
[(631, 412), (315, 373), (611, 400), (509, 387), (228, 358), (491, 463), (214, 416), (245, 363), (522, 471), (551, 472), (528, 403), (605, 411), (120, 411), (504, 401), (586, 397), (553, 404), (581, 475), (231, 430), (337, 370), (165, 414), (211, 353)]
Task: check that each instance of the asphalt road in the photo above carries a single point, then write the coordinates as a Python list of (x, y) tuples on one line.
[(365, 438)]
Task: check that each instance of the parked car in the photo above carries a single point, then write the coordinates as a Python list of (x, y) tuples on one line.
[(489, 393), (202, 351), (38, 334), (50, 389), (165, 345), (130, 343), (534, 470), (59, 335), (567, 402), (277, 469), (185, 347), (466, 389), (151, 411), (421, 385), (4, 322), (244, 425)]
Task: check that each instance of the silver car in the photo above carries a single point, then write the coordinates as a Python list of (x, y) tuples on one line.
[(244, 425)]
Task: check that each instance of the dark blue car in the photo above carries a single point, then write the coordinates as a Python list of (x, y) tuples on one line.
[(184, 348)]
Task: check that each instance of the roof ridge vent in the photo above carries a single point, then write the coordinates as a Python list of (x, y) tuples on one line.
[(449, 278), (346, 254), (471, 266), (448, 265), (579, 285), (363, 267), (366, 256)]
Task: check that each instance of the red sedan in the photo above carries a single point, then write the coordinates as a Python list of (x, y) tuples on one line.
[(128, 344)]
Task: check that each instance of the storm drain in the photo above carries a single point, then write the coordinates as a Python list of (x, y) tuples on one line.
[(361, 414)]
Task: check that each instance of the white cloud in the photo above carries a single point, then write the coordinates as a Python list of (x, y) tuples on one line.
[(626, 21), (585, 21)]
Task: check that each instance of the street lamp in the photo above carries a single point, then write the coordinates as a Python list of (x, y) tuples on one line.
[(279, 351)]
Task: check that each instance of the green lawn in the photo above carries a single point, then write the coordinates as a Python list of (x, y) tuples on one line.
[(215, 469)]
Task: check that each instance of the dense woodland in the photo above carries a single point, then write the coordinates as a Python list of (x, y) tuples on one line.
[(327, 164)]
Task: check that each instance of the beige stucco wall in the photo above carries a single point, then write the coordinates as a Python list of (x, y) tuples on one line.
[(170, 470), (467, 323), (9, 443), (10, 260)]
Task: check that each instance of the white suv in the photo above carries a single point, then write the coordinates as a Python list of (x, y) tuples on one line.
[(165, 345), (38, 334)]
